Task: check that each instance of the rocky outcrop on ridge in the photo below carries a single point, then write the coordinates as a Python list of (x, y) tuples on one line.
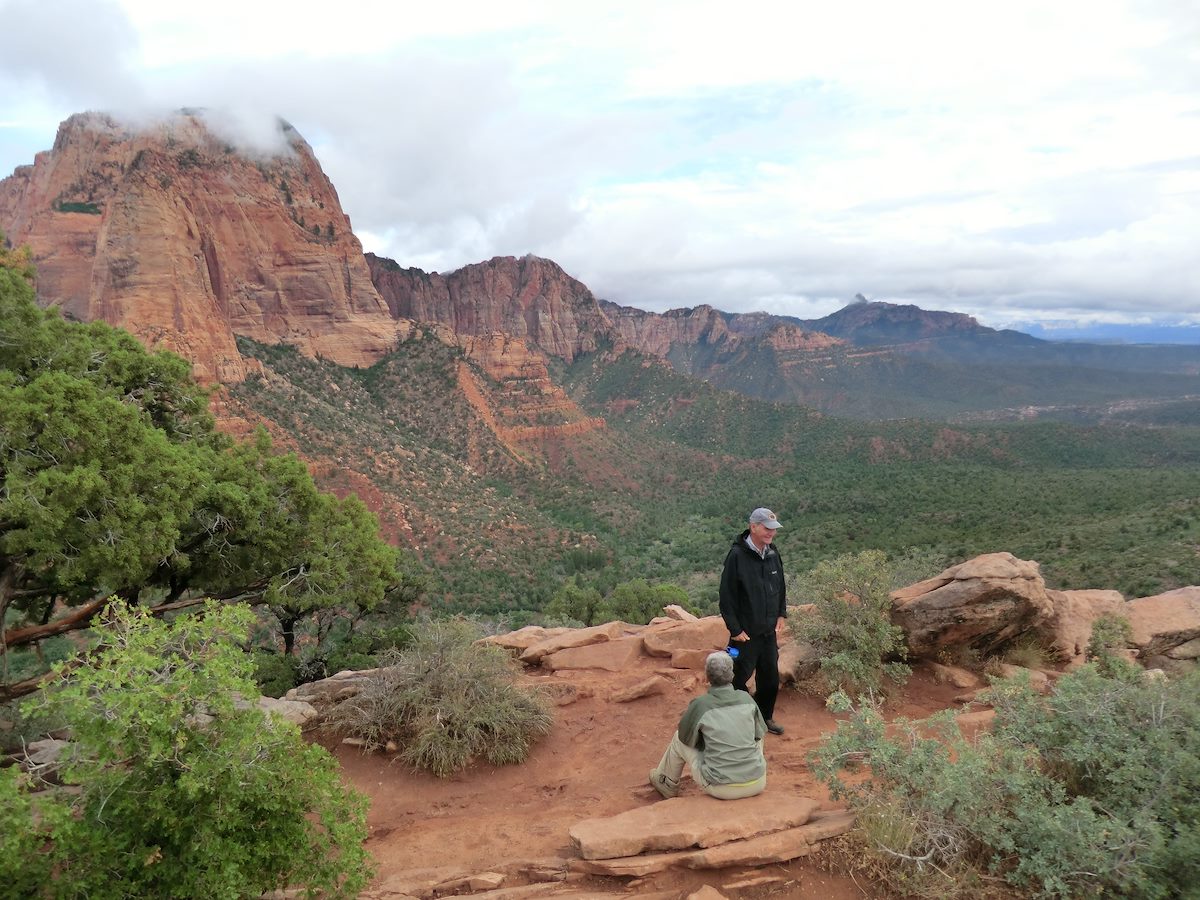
[(980, 603), (987, 601)]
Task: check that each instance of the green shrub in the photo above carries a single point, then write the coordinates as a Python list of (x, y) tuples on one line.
[(446, 700), (851, 626), (574, 603), (1092, 790), (638, 601), (274, 673), (1027, 650), (1110, 634), (172, 787)]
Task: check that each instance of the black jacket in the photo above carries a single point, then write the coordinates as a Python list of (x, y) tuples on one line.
[(753, 589)]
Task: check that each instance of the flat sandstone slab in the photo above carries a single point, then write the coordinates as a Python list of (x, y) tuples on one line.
[(686, 822), (763, 850)]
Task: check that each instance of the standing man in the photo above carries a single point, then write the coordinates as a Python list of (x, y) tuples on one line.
[(754, 607)]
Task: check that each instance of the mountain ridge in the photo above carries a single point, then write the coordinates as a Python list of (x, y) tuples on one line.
[(188, 241)]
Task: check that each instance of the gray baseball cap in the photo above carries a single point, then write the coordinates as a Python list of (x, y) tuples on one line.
[(763, 516)]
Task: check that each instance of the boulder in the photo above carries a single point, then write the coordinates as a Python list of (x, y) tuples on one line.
[(776, 847), (635, 866), (1165, 621), (687, 822), (675, 611), (613, 656), (45, 757), (298, 712), (689, 659), (655, 684), (972, 722), (1190, 650), (708, 634), (1069, 626), (798, 661), (572, 637), (334, 689), (1039, 681), (954, 675), (523, 638), (982, 602)]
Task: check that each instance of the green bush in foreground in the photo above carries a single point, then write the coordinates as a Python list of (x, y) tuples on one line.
[(851, 627), (1110, 635), (1093, 790), (445, 700), (172, 788)]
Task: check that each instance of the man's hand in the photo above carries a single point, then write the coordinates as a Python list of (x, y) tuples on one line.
[(780, 626), (740, 636)]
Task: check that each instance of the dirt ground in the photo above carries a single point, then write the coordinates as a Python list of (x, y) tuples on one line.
[(594, 763)]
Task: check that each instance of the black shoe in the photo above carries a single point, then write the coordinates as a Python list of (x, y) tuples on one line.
[(774, 727)]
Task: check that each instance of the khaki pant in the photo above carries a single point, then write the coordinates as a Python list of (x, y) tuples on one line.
[(670, 767)]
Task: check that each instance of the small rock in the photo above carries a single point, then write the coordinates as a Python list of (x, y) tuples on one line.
[(675, 611), (655, 684)]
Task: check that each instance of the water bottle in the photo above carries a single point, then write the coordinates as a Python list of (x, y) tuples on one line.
[(732, 651)]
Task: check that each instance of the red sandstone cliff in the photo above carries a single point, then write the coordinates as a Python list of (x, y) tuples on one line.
[(175, 235), (185, 240), (529, 297)]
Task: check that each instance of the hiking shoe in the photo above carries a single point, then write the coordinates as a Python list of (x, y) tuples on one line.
[(664, 785), (774, 727)]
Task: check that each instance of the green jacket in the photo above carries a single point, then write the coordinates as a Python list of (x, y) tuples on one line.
[(726, 726)]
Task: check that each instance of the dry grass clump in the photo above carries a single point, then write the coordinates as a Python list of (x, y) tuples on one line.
[(445, 700)]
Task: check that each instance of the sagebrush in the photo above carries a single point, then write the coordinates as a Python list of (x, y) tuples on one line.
[(1094, 789), (445, 700)]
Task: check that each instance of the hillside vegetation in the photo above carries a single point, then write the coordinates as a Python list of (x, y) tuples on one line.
[(659, 493)]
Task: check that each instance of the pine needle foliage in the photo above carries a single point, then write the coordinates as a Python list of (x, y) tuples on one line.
[(445, 701), (171, 786)]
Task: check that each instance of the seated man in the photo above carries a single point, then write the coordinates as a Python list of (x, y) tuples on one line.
[(720, 738)]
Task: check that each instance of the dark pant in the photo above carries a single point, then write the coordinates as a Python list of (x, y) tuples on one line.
[(759, 657)]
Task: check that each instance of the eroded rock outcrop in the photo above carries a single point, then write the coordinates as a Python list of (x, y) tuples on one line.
[(981, 603), (686, 822), (1164, 622)]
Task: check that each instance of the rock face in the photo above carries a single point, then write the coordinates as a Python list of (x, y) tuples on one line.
[(687, 822), (658, 334), (173, 233), (1164, 622), (529, 298), (866, 323), (981, 603)]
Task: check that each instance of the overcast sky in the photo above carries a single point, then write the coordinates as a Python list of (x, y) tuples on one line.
[(1018, 160)]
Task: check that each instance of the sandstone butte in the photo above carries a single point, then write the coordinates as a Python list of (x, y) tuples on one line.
[(170, 230)]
